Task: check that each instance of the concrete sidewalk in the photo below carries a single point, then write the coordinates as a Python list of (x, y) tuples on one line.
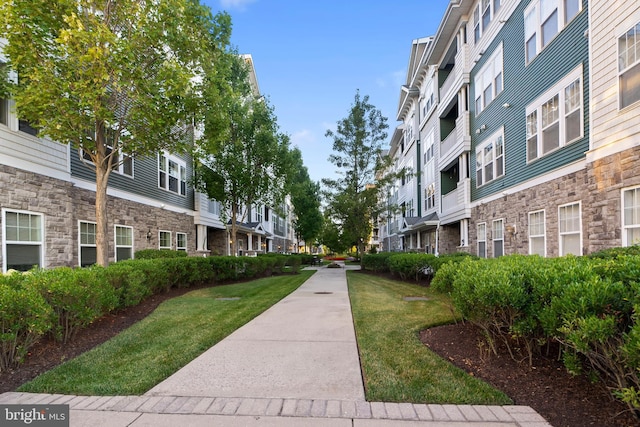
[(296, 364)]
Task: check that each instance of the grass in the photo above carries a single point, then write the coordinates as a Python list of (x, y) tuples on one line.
[(179, 330), (397, 367)]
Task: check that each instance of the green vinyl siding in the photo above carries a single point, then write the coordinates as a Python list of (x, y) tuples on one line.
[(144, 182), (522, 85)]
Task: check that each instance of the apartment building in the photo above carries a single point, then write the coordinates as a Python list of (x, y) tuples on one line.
[(534, 130), (47, 204)]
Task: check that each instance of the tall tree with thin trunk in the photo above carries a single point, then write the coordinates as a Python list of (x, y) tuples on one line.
[(357, 154), (111, 78), (305, 198), (244, 161)]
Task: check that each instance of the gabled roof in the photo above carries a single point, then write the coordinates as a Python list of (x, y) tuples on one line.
[(416, 70), (252, 227)]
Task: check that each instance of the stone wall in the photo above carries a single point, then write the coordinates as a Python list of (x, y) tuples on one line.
[(514, 210), (63, 205), (51, 197), (606, 179)]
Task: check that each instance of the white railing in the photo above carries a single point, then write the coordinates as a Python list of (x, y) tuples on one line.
[(448, 144), (457, 199)]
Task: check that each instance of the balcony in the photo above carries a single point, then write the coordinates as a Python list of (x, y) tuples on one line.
[(458, 76), (457, 142), (456, 204)]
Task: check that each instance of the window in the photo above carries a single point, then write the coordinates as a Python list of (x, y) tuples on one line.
[(427, 99), (543, 20), (172, 174), (430, 196), (88, 252), (25, 126), (498, 238), (23, 240), (490, 159), (164, 240), (556, 118), (537, 239), (483, 14), (629, 66), (259, 216), (482, 240), (489, 82), (631, 216), (124, 242), (181, 241), (122, 163), (570, 228)]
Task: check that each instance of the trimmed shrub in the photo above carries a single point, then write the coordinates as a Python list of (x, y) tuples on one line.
[(376, 262), (77, 296), (412, 266), (24, 317), (159, 253)]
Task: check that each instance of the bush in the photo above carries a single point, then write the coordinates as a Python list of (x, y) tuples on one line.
[(24, 317), (77, 296), (130, 283), (412, 266), (376, 262), (159, 253)]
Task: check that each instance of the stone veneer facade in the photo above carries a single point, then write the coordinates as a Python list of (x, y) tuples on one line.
[(63, 205), (599, 189)]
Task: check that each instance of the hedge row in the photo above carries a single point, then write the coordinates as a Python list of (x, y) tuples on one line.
[(63, 300), (409, 266), (589, 305)]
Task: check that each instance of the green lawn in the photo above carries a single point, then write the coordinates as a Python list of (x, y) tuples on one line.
[(397, 367), (174, 334)]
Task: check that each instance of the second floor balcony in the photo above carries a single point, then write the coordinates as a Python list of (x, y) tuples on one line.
[(457, 142)]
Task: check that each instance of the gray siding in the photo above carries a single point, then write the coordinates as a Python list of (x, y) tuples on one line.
[(522, 85), (144, 182)]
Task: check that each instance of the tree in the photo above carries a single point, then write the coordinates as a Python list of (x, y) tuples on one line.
[(305, 197), (243, 160), (357, 144), (111, 78)]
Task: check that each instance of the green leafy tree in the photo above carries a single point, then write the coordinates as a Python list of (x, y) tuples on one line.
[(305, 197), (244, 160), (357, 154), (111, 77)]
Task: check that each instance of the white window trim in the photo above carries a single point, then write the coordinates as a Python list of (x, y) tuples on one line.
[(538, 26), (181, 165), (493, 235), (624, 227), (483, 28), (560, 234), (536, 105), (484, 224), (627, 67), (181, 248), (544, 231), (119, 168), (5, 242), (115, 240), (84, 245), (160, 240), (480, 155), (489, 69)]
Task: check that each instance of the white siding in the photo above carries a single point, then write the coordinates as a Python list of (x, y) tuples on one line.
[(612, 130)]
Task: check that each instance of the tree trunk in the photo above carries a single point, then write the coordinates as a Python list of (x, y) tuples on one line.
[(102, 242), (234, 230)]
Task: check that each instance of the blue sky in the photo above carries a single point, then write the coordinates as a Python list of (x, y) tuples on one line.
[(311, 56)]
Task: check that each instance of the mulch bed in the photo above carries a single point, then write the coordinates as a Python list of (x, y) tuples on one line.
[(563, 400)]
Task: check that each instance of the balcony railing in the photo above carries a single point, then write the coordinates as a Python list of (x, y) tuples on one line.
[(456, 204)]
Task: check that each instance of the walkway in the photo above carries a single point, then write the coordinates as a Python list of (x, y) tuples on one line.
[(294, 365)]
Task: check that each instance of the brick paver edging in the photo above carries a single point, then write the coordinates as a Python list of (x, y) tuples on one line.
[(523, 416)]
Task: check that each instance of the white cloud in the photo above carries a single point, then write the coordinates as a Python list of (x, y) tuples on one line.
[(303, 138), (399, 78), (236, 4)]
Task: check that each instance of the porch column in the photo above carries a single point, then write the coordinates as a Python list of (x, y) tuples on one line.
[(249, 242), (201, 242), (464, 232)]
